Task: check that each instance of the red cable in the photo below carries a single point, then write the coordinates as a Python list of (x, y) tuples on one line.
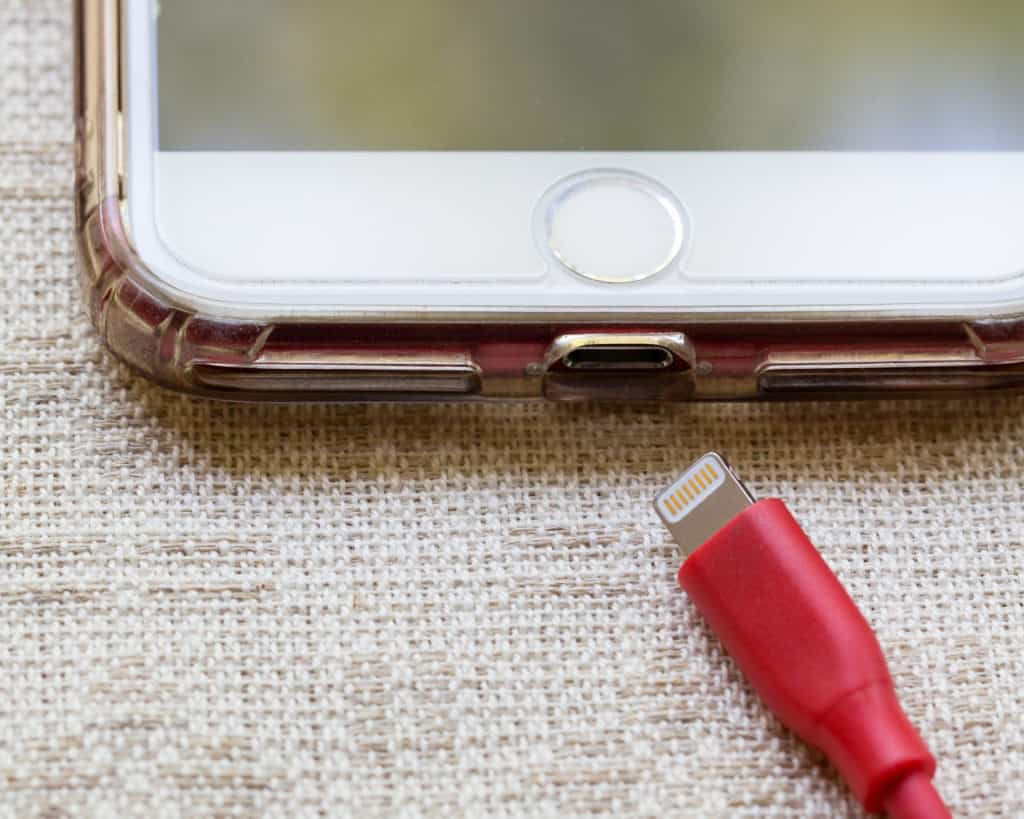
[(914, 797), (801, 641)]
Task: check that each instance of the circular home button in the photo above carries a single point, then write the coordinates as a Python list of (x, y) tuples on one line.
[(611, 226)]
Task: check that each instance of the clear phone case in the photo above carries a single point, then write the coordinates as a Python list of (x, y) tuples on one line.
[(359, 356)]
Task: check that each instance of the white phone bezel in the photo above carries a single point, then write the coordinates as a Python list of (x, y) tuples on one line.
[(305, 233)]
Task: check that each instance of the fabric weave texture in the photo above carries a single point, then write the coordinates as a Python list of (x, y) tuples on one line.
[(370, 611)]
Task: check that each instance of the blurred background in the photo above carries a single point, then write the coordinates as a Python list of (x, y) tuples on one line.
[(591, 75)]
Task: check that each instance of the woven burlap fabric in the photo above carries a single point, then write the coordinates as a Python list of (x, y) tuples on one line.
[(215, 610)]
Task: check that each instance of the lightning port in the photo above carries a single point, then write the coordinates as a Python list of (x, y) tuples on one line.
[(619, 357)]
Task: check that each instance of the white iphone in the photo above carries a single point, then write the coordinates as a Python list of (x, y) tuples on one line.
[(572, 198)]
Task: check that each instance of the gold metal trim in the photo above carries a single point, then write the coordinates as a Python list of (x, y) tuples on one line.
[(675, 343)]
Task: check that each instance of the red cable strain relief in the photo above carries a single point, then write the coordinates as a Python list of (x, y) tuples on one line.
[(805, 647)]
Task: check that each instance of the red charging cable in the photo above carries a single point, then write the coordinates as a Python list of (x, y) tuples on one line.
[(800, 640)]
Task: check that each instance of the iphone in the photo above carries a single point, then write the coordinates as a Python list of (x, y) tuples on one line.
[(574, 199)]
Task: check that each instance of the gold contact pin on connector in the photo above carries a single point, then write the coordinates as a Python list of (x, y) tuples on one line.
[(701, 501)]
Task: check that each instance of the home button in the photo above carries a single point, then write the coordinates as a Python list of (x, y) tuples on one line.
[(612, 226)]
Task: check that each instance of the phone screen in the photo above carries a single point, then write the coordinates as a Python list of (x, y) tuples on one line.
[(611, 75)]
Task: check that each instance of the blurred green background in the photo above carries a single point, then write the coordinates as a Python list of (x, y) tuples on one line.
[(591, 75)]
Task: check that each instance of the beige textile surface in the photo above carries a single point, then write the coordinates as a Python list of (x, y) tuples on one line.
[(379, 611)]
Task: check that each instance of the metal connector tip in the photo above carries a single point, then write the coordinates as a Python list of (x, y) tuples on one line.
[(701, 501)]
